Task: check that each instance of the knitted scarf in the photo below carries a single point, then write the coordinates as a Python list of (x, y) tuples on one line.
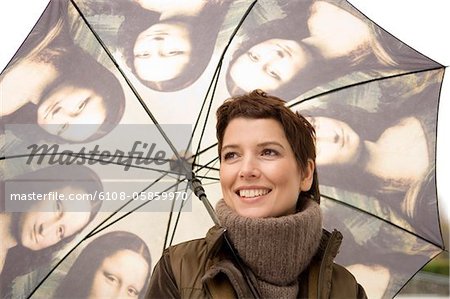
[(277, 249)]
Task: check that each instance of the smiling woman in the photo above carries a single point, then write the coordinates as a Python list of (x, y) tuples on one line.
[(115, 265), (269, 213), (260, 176)]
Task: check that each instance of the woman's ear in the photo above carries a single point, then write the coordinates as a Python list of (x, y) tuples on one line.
[(307, 176)]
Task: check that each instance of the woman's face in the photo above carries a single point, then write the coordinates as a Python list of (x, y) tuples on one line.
[(336, 141), (162, 52), (259, 174), (51, 221), (269, 64), (335, 31), (68, 107), (121, 275)]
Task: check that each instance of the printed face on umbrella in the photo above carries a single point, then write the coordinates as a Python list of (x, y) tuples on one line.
[(51, 221), (121, 275), (336, 141), (271, 64), (400, 152), (162, 52), (259, 173), (68, 106)]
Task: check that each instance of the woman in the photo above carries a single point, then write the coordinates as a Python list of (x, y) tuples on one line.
[(57, 85), (33, 232), (317, 42), (168, 45), (114, 265), (270, 212)]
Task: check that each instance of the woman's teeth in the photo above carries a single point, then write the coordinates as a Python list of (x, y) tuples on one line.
[(253, 192)]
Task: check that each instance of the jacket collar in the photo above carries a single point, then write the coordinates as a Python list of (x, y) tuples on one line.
[(319, 276), (328, 248)]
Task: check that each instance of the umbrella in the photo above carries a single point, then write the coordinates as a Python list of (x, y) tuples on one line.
[(172, 104)]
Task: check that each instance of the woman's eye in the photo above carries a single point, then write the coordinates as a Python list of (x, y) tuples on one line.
[(252, 57), (110, 278), (132, 292), (174, 53), (82, 105), (62, 128), (280, 53), (229, 155), (142, 54), (269, 152), (59, 208), (61, 232)]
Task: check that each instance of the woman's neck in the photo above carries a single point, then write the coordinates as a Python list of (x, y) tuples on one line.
[(400, 153)]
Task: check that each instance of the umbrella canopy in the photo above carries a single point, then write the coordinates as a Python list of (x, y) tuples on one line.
[(108, 36)]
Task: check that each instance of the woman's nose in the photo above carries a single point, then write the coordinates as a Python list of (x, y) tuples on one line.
[(51, 228), (63, 113), (249, 168)]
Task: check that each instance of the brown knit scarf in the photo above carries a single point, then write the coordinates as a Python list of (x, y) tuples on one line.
[(277, 249)]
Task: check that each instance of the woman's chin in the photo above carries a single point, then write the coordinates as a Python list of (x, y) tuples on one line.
[(252, 211)]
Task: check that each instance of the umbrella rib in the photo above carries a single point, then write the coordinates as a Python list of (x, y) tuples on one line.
[(132, 210), (215, 78), (361, 83), (215, 81), (384, 220), (205, 149), (99, 226), (420, 269), (131, 86), (176, 223), (206, 166), (170, 220), (182, 204), (203, 104), (209, 178)]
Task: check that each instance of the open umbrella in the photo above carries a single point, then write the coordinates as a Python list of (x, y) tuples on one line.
[(169, 98)]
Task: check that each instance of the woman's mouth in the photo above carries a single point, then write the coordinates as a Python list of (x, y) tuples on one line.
[(250, 193)]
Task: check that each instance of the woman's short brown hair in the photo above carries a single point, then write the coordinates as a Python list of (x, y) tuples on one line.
[(299, 132)]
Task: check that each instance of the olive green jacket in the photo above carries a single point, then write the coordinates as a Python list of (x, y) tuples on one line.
[(205, 268)]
